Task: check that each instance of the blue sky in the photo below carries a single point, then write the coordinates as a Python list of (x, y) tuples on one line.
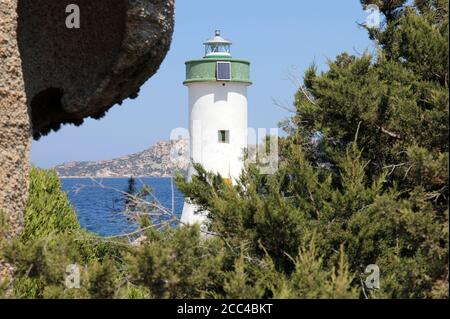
[(279, 38)]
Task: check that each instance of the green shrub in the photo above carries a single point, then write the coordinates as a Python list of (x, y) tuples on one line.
[(48, 210), (51, 240)]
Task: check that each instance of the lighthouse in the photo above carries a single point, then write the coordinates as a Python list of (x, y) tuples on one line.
[(217, 85)]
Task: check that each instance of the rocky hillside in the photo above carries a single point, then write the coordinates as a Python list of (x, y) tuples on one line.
[(161, 160)]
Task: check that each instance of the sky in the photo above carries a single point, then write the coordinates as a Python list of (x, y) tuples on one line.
[(280, 38)]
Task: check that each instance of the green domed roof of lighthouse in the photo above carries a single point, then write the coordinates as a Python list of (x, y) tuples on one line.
[(217, 60)]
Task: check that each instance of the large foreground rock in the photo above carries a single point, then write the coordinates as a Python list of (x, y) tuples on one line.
[(52, 75)]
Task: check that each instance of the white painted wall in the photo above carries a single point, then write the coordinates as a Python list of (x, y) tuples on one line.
[(215, 106)]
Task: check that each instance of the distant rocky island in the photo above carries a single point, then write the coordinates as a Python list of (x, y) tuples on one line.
[(161, 160)]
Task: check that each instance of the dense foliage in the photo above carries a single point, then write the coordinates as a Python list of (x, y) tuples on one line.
[(48, 210), (362, 179), (365, 165), (168, 263)]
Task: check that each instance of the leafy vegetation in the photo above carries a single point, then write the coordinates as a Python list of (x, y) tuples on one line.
[(48, 211), (364, 166)]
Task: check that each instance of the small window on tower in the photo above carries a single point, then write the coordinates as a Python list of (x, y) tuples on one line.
[(223, 71), (224, 136)]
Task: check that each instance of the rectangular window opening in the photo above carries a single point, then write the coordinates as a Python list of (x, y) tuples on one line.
[(224, 136)]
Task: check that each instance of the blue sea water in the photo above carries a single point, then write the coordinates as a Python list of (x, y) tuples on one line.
[(99, 208)]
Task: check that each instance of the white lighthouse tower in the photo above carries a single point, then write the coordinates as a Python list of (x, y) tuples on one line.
[(217, 86)]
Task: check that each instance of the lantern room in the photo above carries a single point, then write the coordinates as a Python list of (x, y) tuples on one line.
[(217, 47)]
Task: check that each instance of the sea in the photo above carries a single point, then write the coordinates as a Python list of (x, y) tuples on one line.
[(100, 206)]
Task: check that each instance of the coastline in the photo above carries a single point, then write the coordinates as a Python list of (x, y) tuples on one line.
[(112, 177)]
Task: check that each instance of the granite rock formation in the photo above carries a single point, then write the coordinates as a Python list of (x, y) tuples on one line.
[(52, 75), (163, 159)]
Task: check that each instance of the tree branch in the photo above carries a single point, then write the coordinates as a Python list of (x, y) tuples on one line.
[(390, 133)]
